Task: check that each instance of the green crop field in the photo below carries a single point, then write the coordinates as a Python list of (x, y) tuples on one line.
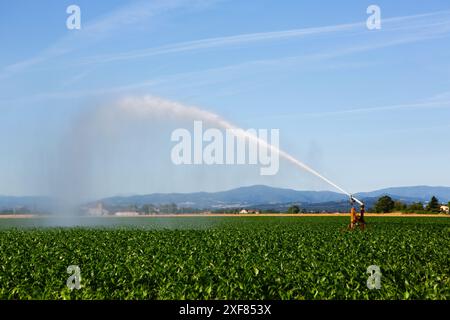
[(227, 258)]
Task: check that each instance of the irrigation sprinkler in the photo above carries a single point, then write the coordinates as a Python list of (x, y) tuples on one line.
[(357, 220)]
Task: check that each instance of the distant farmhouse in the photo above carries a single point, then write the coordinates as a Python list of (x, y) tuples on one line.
[(126, 214), (445, 209), (245, 211)]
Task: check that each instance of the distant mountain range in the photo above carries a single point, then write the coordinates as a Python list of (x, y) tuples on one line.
[(410, 194), (240, 197), (259, 196), (33, 203), (264, 195)]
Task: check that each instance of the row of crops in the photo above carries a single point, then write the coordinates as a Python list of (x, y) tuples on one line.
[(232, 258)]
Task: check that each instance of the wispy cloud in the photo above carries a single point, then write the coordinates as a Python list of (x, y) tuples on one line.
[(136, 13), (441, 96), (410, 23), (419, 27), (74, 94), (101, 28), (435, 29), (427, 104), (410, 106), (197, 78), (218, 42)]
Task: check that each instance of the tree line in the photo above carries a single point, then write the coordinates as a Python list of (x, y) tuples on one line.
[(386, 204)]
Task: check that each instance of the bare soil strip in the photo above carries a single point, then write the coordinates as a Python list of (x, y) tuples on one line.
[(18, 216)]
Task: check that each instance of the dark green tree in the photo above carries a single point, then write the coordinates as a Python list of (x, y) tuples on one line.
[(399, 206), (416, 207), (294, 209), (148, 208), (384, 204), (433, 205)]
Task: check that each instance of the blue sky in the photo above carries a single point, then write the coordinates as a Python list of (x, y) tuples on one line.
[(367, 108)]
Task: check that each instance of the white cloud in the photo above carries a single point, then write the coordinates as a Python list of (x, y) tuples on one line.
[(442, 104), (412, 24), (101, 28)]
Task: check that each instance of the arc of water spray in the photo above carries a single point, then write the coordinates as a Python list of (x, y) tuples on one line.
[(151, 106)]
